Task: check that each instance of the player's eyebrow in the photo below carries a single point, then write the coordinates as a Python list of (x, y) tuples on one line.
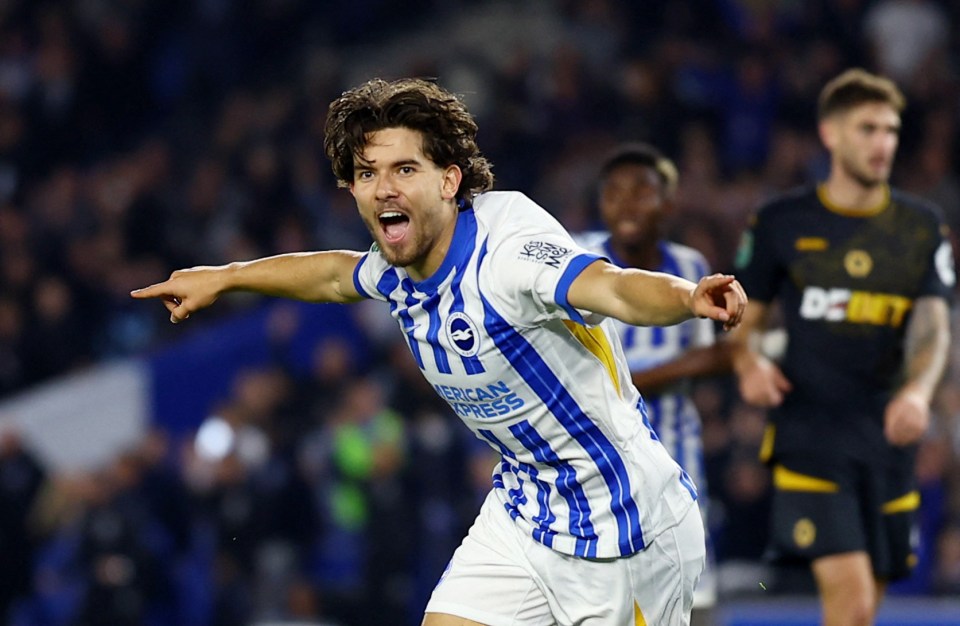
[(369, 164)]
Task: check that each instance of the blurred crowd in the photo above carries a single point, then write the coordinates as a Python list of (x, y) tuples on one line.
[(138, 137)]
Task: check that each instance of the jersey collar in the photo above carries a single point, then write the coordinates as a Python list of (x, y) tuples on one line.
[(839, 210), (461, 247)]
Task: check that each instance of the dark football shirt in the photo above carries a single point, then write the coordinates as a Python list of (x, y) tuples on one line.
[(846, 284)]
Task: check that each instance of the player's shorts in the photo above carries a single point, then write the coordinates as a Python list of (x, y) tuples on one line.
[(830, 505), (502, 577), (705, 593), (685, 445)]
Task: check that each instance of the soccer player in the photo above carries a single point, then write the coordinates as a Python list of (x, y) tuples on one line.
[(636, 187), (864, 275), (589, 518)]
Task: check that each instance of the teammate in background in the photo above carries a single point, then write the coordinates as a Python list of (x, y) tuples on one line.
[(589, 517), (864, 274), (636, 188)]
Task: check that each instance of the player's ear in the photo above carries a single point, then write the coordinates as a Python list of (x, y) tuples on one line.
[(450, 185), (827, 128)]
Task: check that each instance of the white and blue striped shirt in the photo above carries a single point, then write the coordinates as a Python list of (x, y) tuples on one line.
[(544, 384), (672, 413)]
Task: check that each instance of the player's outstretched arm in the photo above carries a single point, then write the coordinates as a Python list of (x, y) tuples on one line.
[(644, 298), (308, 276)]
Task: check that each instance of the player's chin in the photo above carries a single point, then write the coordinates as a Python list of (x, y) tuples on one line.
[(878, 174), (396, 256)]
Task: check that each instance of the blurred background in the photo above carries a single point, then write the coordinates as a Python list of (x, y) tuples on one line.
[(271, 462)]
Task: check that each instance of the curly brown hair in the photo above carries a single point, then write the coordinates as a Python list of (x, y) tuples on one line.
[(448, 129)]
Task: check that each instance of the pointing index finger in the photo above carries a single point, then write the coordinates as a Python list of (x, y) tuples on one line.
[(153, 291)]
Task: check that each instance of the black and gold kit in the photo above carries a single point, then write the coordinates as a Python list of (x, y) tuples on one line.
[(846, 283)]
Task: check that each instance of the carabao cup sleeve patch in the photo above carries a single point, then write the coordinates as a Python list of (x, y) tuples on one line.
[(744, 250)]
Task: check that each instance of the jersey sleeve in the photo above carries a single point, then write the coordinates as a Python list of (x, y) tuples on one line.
[(530, 269), (941, 276), (367, 275), (757, 265)]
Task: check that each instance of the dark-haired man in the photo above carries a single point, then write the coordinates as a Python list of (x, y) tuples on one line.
[(864, 275), (589, 518)]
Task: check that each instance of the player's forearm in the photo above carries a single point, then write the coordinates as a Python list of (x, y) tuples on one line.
[(927, 345), (636, 297), (653, 298), (308, 276)]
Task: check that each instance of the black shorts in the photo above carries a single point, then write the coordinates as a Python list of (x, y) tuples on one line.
[(824, 505)]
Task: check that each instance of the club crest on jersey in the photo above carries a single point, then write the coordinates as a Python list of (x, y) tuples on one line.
[(858, 263), (462, 334), (544, 252)]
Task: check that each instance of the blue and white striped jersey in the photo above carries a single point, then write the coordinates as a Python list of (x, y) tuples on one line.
[(672, 413), (544, 384)]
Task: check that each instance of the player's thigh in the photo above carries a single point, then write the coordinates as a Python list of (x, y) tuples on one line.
[(500, 576), (847, 575), (673, 570), (654, 586), (477, 589), (705, 594), (490, 579), (848, 592)]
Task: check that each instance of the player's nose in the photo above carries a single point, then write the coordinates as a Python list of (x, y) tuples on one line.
[(385, 188)]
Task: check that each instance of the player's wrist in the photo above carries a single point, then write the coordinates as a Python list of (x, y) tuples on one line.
[(230, 277), (690, 300), (918, 391), (742, 358)]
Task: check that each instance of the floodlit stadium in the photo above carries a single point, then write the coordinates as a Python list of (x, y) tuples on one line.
[(271, 462)]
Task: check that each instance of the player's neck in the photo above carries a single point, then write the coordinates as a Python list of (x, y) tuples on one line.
[(425, 267), (848, 194)]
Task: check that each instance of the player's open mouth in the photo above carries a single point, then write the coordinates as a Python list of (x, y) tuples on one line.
[(394, 225)]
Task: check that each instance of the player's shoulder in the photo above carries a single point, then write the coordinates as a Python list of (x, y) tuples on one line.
[(918, 204), (798, 199), (508, 214), (491, 203)]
